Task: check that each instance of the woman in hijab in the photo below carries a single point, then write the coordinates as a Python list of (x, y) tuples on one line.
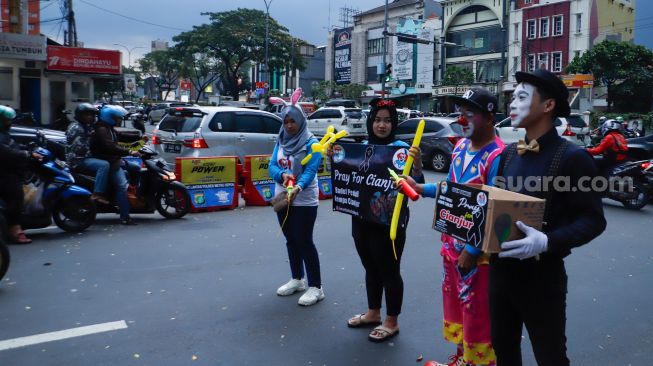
[(298, 218), (372, 240)]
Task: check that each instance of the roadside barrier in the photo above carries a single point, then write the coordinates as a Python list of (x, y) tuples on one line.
[(212, 182), (258, 187)]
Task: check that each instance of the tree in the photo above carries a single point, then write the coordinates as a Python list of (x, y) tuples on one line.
[(164, 67), (352, 91), (621, 66), (237, 37), (323, 90), (456, 76), (198, 64)]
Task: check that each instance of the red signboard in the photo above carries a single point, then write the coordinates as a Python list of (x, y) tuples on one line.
[(85, 60), (184, 85)]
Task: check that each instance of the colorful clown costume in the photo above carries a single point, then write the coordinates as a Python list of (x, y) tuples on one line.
[(465, 297)]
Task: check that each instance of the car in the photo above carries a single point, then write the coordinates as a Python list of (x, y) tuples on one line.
[(573, 128), (403, 114), (440, 136), (351, 120), (159, 110), (640, 148), (347, 103), (215, 131), (127, 104)]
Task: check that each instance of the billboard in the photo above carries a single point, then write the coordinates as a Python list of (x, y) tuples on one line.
[(342, 56), (130, 83), (87, 60), (22, 47)]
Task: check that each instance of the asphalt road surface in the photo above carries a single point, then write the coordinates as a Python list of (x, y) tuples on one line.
[(201, 291)]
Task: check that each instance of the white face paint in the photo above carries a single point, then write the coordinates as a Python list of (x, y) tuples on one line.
[(520, 106)]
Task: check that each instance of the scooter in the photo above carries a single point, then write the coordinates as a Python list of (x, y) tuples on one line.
[(51, 194), (138, 121), (635, 184), (158, 189)]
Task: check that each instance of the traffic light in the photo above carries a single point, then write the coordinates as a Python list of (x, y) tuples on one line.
[(388, 72)]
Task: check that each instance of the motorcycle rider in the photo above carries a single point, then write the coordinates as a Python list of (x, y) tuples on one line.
[(613, 147), (15, 159), (104, 145), (78, 150)]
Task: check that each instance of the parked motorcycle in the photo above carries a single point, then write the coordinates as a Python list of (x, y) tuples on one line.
[(635, 188), (158, 189), (51, 194)]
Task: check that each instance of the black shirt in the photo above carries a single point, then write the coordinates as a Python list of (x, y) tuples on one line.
[(575, 215)]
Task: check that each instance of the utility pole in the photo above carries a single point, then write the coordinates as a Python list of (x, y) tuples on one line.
[(385, 48), (267, 34), (71, 35)]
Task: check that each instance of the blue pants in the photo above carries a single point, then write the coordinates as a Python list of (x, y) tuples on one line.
[(298, 231), (119, 180), (101, 169)]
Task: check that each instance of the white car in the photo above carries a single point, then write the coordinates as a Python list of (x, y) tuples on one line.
[(573, 128), (351, 120)]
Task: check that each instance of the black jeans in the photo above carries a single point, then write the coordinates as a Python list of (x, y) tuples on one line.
[(11, 192), (298, 231), (382, 270), (531, 293)]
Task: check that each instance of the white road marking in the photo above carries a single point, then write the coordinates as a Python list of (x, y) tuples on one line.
[(61, 334)]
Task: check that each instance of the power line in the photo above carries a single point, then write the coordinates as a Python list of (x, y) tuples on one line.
[(131, 18)]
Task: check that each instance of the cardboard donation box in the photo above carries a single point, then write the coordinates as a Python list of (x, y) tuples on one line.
[(484, 216)]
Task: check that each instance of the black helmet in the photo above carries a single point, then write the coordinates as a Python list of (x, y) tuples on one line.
[(84, 108)]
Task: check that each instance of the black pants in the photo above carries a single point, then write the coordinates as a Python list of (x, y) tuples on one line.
[(531, 293), (298, 231), (11, 192), (382, 270)]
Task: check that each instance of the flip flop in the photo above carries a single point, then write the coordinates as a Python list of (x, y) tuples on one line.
[(20, 238), (357, 322), (384, 333)]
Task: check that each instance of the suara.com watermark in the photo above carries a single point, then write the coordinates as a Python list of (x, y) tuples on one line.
[(597, 184)]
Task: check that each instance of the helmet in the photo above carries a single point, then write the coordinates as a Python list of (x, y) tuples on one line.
[(7, 112), (108, 112), (602, 119), (610, 125), (619, 119), (84, 108)]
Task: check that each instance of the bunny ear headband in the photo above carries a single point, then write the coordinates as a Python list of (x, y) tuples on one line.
[(294, 98)]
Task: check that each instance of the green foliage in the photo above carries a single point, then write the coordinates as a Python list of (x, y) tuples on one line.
[(324, 90), (455, 75), (624, 68), (352, 91), (164, 67)]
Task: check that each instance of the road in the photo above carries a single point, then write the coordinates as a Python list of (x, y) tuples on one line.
[(201, 291)]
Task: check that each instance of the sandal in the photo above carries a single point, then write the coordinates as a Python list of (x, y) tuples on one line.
[(357, 321), (20, 238), (382, 334)]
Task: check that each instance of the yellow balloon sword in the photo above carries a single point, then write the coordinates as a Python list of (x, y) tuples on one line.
[(400, 196), (322, 147)]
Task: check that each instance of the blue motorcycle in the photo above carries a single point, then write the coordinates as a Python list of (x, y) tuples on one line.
[(51, 194)]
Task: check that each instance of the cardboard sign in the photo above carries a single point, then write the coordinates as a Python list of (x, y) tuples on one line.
[(362, 185), (484, 216)]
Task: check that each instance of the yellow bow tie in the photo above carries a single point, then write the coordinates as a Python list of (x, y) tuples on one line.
[(523, 147)]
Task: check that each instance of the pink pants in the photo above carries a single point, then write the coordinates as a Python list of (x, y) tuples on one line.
[(467, 312)]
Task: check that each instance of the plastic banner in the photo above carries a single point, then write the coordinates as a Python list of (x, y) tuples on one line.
[(211, 182)]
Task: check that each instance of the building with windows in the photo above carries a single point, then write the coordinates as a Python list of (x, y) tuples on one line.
[(355, 54)]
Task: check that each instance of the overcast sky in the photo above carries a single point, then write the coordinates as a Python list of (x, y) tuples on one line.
[(102, 23)]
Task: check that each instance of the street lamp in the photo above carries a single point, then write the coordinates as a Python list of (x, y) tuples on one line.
[(267, 33), (129, 52)]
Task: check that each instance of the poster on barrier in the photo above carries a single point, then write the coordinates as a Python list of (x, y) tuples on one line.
[(324, 179), (260, 177), (211, 182)]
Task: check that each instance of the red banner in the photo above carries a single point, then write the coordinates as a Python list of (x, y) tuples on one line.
[(86, 60)]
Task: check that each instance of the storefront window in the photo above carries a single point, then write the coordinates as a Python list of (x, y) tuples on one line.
[(81, 91), (475, 41), (7, 82)]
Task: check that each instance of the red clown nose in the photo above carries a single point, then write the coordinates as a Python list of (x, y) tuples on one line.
[(462, 120)]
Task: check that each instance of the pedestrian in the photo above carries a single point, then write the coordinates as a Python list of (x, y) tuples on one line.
[(373, 243), (475, 159), (78, 150), (15, 160), (104, 145), (528, 281), (297, 219)]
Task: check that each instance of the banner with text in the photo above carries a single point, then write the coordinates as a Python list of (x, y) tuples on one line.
[(211, 182), (342, 56), (362, 185)]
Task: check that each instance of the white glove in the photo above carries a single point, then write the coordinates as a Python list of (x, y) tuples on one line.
[(533, 244)]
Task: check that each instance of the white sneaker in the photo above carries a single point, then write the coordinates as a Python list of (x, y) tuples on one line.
[(312, 296), (291, 287)]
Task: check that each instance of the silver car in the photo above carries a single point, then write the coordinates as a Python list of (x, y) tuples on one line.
[(350, 119), (573, 128), (215, 131), (160, 110)]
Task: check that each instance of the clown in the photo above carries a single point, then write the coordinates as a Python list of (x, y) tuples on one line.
[(475, 159)]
